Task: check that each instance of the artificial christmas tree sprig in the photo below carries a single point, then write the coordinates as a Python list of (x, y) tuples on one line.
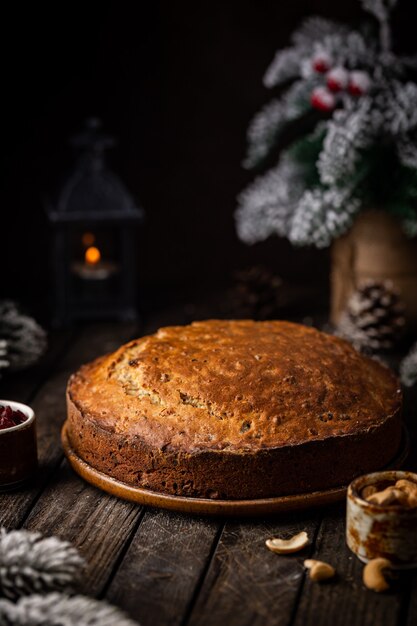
[(56, 609), (408, 368), (37, 576), (22, 340), (361, 151), (30, 563)]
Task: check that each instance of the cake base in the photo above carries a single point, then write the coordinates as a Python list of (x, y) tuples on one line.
[(203, 506)]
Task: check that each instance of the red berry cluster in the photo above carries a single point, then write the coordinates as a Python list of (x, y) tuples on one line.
[(9, 417), (338, 79)]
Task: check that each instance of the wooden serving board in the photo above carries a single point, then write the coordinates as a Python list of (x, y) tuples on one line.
[(203, 506)]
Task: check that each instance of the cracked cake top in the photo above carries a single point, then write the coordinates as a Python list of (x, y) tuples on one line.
[(235, 385)]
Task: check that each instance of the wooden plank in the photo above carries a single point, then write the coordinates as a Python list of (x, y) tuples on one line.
[(68, 502), (162, 577), (97, 524), (163, 566), (246, 584), (408, 616), (344, 601), (49, 405), (94, 522)]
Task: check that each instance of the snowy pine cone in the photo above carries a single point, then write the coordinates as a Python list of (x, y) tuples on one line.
[(21, 336), (56, 609), (31, 564), (374, 319)]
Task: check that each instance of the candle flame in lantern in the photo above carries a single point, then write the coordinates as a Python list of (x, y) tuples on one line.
[(92, 255)]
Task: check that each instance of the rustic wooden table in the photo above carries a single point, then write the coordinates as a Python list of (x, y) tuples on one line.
[(172, 569)]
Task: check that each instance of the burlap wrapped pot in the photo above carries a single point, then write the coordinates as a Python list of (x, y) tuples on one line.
[(375, 248)]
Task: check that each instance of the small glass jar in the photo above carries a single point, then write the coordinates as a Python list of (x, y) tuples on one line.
[(18, 449), (376, 530)]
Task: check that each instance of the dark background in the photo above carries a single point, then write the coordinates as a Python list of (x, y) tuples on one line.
[(177, 83)]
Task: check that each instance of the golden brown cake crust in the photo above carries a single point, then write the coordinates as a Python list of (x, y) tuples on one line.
[(235, 409)]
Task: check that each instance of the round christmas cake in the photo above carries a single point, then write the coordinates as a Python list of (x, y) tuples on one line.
[(235, 410)]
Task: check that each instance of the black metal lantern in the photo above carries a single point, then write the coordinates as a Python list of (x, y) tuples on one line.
[(94, 238)]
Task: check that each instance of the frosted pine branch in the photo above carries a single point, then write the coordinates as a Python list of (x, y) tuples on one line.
[(407, 152), (401, 109), (3, 348), (321, 216), (263, 131), (409, 61), (356, 51), (371, 118), (26, 340), (408, 368), (409, 226), (30, 564), (348, 133), (297, 98), (314, 29), (267, 125), (286, 65), (349, 50), (4, 363), (381, 9), (56, 609), (266, 206), (292, 62)]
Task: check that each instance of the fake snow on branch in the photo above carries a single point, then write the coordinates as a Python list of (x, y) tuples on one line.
[(266, 126), (407, 152), (22, 338), (352, 86), (381, 9), (285, 66), (348, 133), (321, 216), (55, 609), (4, 362), (349, 50), (266, 206), (408, 368), (31, 564), (314, 29), (400, 109), (288, 63)]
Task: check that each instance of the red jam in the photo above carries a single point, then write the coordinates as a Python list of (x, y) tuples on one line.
[(10, 417)]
